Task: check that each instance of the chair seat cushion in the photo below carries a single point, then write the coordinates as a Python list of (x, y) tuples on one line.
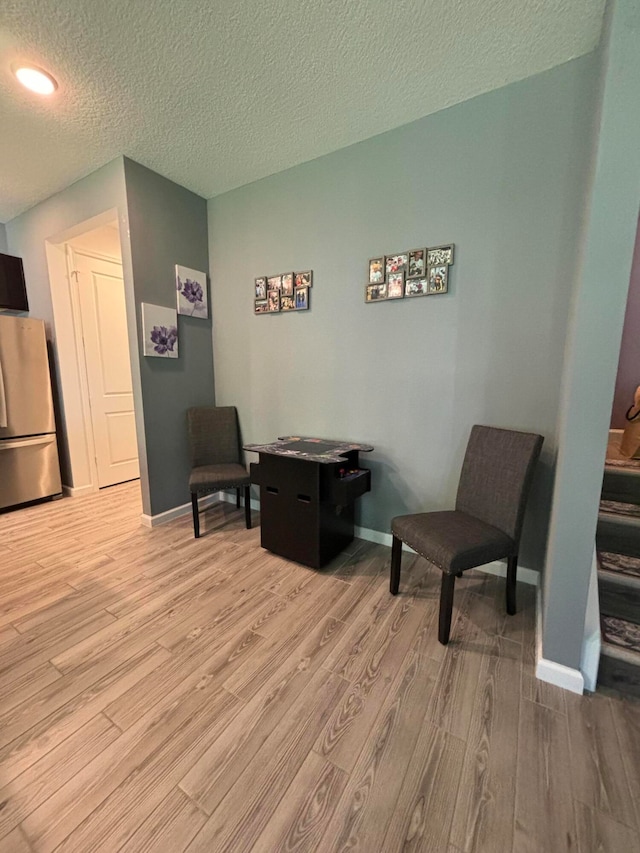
[(226, 475), (453, 541)]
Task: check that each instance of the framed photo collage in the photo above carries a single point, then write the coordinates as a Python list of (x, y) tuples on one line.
[(420, 272), (288, 291)]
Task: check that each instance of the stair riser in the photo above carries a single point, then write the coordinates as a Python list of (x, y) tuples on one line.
[(621, 485), (619, 674), (618, 600), (618, 535)]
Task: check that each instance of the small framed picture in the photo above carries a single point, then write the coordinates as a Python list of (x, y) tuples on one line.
[(395, 286), (287, 303), (375, 292), (417, 263), (376, 271), (261, 288), (302, 298), (274, 282), (304, 279), (416, 287), (396, 263), (261, 306), (440, 255), (273, 300), (286, 287), (439, 279)]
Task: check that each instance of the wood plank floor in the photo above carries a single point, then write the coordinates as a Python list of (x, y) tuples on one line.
[(161, 693)]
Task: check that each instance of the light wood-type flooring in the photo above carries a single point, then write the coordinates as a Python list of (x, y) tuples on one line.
[(161, 693)]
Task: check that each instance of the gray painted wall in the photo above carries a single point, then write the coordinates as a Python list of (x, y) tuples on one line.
[(168, 226), (3, 238), (628, 377), (503, 177), (594, 342)]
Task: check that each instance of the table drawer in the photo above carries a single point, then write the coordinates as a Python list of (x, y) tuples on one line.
[(345, 490)]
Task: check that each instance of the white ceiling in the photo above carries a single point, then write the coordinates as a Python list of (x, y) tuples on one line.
[(217, 93)]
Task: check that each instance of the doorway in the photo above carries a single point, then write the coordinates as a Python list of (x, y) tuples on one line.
[(94, 262), (97, 275)]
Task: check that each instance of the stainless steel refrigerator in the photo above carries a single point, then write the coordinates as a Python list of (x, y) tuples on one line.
[(29, 465)]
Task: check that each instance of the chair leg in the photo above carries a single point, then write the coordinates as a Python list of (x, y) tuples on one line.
[(446, 607), (396, 558), (512, 570), (196, 514), (247, 506), (238, 498)]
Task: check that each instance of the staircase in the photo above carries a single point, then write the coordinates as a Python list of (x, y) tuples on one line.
[(618, 546)]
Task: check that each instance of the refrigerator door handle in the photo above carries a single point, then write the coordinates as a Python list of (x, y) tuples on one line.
[(4, 418), (12, 444)]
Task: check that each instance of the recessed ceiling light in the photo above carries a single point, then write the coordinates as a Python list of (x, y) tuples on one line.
[(35, 79)]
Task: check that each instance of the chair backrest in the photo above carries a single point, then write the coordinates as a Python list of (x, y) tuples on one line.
[(496, 476), (213, 435)]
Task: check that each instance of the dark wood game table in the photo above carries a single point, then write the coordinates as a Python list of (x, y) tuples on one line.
[(308, 487)]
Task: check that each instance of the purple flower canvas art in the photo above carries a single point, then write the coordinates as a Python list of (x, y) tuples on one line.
[(191, 289), (164, 339), (160, 329)]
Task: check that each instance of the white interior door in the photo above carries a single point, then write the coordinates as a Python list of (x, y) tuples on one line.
[(106, 347)]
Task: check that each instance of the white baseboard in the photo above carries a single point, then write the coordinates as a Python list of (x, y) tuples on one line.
[(548, 670), (525, 575), (177, 511), (369, 535), (78, 491), (529, 576), (230, 498), (592, 640), (560, 675), (591, 650)]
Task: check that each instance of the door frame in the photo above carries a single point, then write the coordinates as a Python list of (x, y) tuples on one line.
[(80, 475)]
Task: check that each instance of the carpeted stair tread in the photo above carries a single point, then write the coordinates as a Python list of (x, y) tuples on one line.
[(620, 658), (620, 564), (620, 633), (614, 458), (619, 508), (630, 464)]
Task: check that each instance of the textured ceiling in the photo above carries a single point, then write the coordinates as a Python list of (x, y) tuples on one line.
[(217, 94)]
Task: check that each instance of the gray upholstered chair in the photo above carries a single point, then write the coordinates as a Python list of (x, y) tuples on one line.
[(487, 521), (214, 442)]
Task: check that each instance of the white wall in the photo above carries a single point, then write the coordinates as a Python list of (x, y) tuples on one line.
[(38, 237), (594, 342), (26, 234), (3, 239)]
